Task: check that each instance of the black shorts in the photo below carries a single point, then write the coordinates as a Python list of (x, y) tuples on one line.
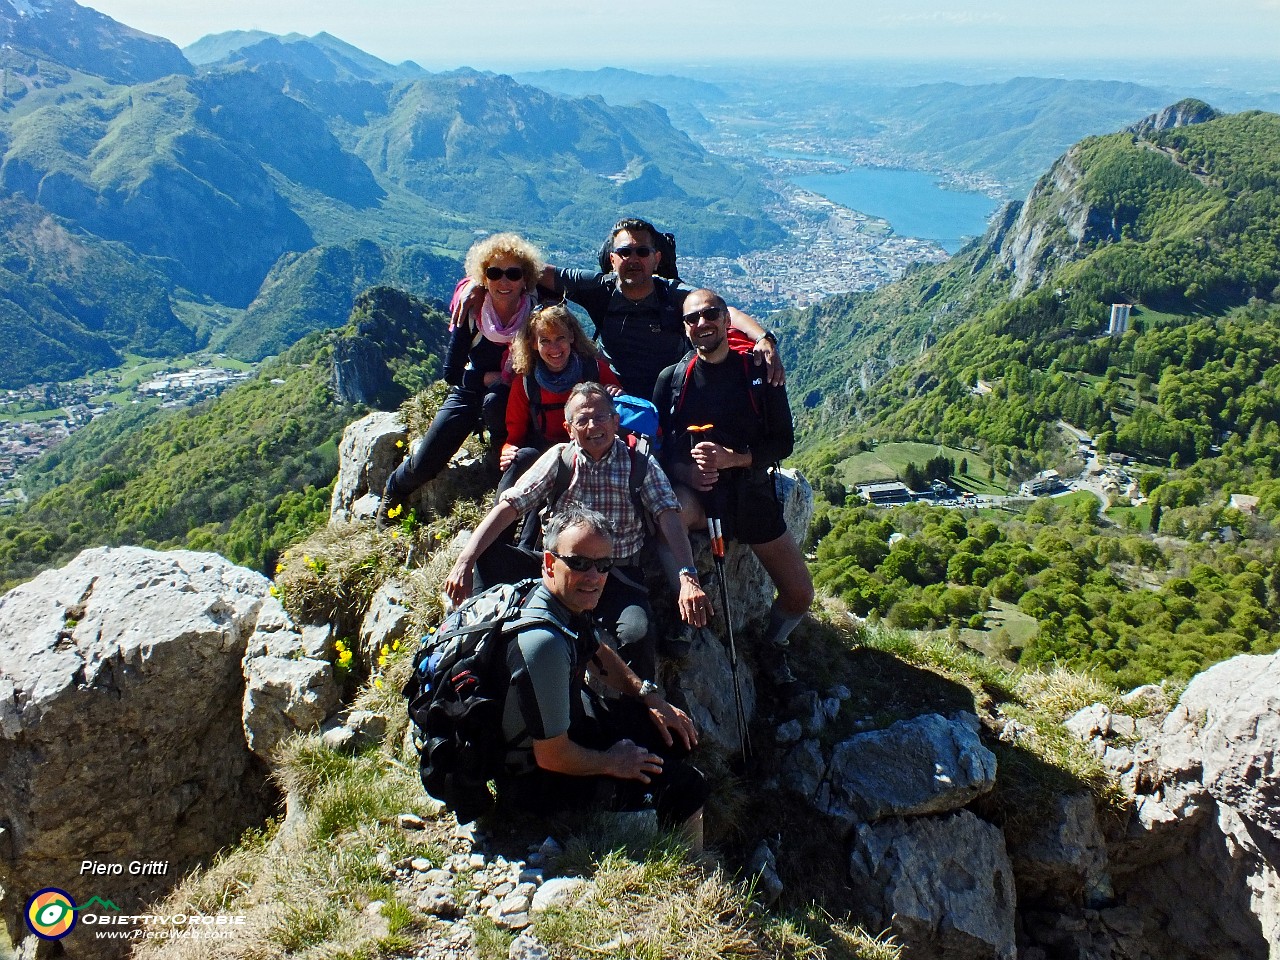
[(677, 793), (752, 510)]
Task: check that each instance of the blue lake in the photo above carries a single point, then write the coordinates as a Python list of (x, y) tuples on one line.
[(914, 203)]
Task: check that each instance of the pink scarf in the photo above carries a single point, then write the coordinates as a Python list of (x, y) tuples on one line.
[(492, 326)]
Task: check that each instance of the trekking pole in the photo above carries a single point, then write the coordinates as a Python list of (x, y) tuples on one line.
[(716, 532)]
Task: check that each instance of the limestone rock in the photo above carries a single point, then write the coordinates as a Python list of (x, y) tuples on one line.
[(387, 621), (704, 687), (286, 691), (558, 892), (928, 764), (360, 371), (1181, 114), (1063, 862), (1200, 859), (367, 456), (943, 884), (1228, 725), (120, 721), (369, 453)]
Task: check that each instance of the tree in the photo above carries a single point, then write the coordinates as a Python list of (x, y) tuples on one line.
[(964, 466), (1155, 517)]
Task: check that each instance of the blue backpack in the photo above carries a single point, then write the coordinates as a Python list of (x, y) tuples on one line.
[(636, 417)]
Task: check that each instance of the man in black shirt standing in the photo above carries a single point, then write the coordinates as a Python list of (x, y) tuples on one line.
[(724, 468), (638, 315)]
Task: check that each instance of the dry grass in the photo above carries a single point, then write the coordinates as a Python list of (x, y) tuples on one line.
[(305, 885)]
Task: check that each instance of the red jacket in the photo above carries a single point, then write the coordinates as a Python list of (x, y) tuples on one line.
[(523, 432)]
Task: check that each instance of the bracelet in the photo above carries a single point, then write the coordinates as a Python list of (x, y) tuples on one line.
[(768, 335), (691, 572), (647, 688)]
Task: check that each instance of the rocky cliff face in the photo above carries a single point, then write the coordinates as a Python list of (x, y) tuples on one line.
[(1054, 226), (1057, 223), (1181, 114), (140, 695)]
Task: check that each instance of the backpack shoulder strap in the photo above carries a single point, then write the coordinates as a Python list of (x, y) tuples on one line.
[(638, 447), (537, 413), (564, 474), (680, 380), (756, 385)]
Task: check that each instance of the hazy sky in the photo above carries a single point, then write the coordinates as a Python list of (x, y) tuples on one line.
[(439, 34)]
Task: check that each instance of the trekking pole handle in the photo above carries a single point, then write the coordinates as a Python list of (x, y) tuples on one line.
[(717, 537)]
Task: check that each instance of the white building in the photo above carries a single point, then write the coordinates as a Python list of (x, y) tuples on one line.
[(1119, 319)]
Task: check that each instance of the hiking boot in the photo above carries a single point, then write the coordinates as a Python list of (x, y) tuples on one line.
[(383, 519), (776, 669)]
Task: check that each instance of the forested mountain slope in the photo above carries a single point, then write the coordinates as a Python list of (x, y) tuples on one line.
[(245, 474)]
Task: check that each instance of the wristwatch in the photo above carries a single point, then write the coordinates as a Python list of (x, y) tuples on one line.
[(647, 688), (768, 335), (692, 572)]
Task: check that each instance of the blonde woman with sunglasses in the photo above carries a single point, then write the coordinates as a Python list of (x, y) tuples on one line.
[(477, 364)]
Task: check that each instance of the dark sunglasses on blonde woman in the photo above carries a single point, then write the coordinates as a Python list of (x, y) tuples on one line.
[(511, 273)]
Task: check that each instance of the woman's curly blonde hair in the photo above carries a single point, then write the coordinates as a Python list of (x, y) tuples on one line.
[(524, 348), (498, 245)]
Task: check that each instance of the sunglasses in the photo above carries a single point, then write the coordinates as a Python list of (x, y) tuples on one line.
[(624, 252), (706, 313), (583, 564), (511, 273)]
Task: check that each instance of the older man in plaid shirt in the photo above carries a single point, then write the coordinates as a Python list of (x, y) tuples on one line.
[(600, 480)]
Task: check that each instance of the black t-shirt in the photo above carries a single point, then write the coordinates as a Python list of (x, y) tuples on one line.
[(641, 337), (745, 417)]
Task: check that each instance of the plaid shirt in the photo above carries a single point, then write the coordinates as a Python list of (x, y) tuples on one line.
[(602, 485)]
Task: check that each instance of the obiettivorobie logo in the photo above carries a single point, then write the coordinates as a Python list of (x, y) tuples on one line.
[(51, 913)]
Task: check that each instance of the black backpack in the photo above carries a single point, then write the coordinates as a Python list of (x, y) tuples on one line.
[(457, 693)]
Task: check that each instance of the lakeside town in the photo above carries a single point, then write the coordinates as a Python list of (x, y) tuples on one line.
[(58, 410)]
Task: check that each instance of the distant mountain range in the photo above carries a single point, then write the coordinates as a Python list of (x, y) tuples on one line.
[(283, 145), (243, 194)]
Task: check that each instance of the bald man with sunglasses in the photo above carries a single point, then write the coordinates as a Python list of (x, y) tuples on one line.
[(601, 481)]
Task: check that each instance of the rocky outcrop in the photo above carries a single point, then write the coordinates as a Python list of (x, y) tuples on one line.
[(1194, 874), (360, 372), (289, 681), (944, 885), (369, 453), (1181, 114), (126, 723), (1053, 225)]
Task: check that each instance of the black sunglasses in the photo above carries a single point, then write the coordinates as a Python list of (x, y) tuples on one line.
[(511, 273), (583, 564), (625, 252), (706, 313)]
